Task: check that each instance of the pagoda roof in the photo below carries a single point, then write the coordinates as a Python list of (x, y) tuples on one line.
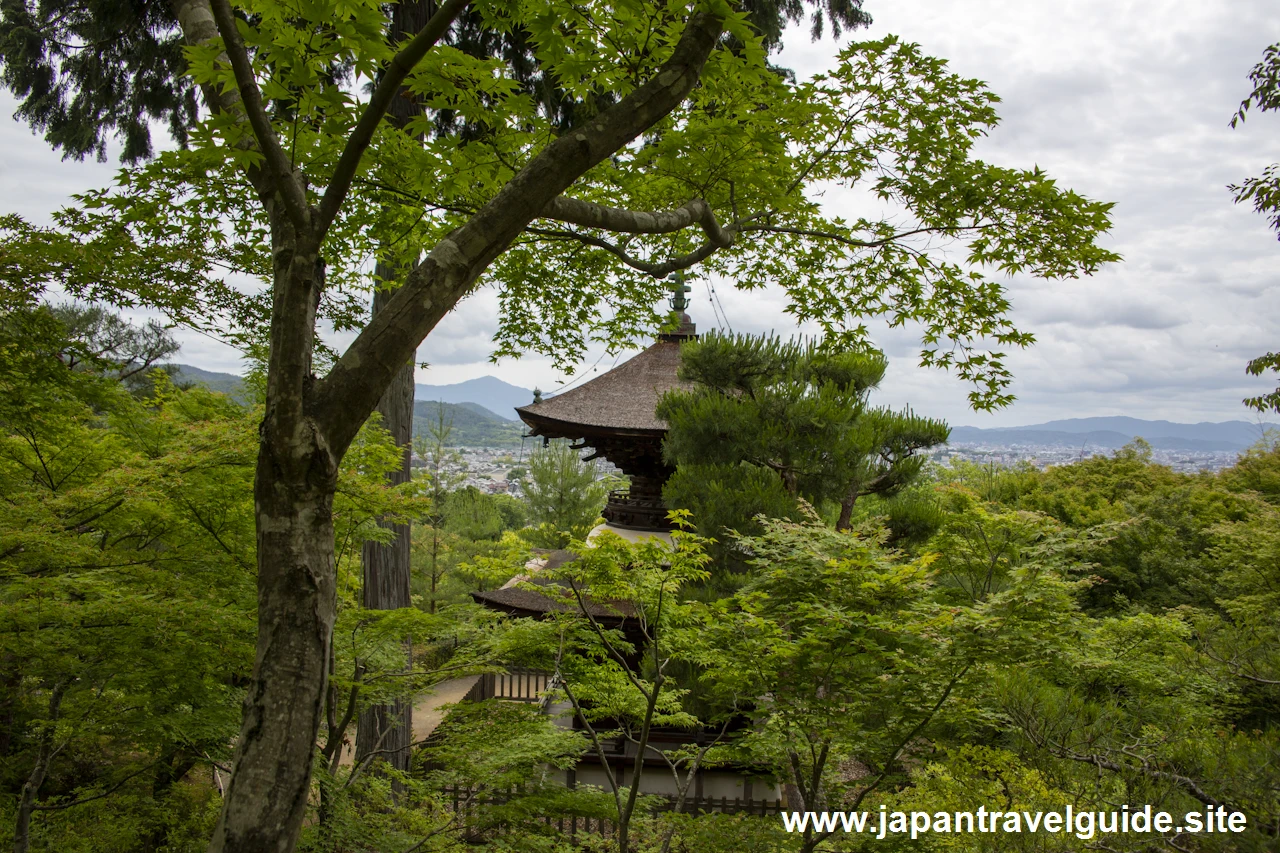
[(523, 595), (620, 401)]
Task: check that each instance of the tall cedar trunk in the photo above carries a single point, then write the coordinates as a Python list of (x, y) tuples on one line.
[(388, 729)]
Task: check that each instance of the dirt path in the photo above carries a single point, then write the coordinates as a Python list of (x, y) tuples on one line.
[(428, 711)]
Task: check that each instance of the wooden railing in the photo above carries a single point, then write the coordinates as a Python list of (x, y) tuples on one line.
[(516, 685)]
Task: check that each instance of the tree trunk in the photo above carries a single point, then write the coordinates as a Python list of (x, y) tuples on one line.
[(388, 729), (266, 798), (31, 788), (309, 424), (846, 511)]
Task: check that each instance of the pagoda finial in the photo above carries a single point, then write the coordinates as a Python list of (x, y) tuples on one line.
[(678, 290)]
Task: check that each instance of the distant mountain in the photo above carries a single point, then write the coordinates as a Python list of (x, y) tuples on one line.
[(226, 383), (470, 424), (472, 406), (481, 410), (1115, 432), (498, 397)]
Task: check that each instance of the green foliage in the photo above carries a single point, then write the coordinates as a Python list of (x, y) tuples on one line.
[(980, 547), (983, 672), (783, 406), (726, 498), (380, 814), (81, 81), (89, 70), (443, 472), (468, 527), (911, 516), (1163, 694), (1150, 526), (127, 595), (472, 514), (101, 340), (904, 128), (43, 340), (564, 494), (624, 625), (746, 141), (1257, 470), (957, 779), (861, 657), (464, 525), (463, 756), (1263, 192), (1240, 633), (126, 602)]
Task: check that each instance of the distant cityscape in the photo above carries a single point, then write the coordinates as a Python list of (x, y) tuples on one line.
[(1042, 456), (485, 468)]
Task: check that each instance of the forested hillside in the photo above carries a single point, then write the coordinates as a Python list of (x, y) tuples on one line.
[(471, 424), (224, 383)]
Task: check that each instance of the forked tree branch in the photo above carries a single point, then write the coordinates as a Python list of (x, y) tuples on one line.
[(281, 171), (195, 19), (397, 69)]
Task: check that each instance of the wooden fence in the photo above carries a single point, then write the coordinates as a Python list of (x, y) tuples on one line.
[(516, 685)]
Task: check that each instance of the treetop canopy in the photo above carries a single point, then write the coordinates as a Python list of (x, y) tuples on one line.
[(729, 181)]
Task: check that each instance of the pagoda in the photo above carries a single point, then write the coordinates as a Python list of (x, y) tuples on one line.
[(614, 415)]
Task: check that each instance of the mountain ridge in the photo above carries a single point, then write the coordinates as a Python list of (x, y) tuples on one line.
[(468, 424), (224, 383), (498, 397), (1117, 431)]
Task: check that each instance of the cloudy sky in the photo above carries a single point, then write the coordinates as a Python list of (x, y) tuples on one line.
[(1122, 101)]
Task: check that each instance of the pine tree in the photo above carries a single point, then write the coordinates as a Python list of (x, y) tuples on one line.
[(771, 422), (565, 494)]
